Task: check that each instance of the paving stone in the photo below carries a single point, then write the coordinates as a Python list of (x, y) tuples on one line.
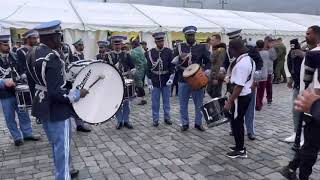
[(136, 171), (164, 153)]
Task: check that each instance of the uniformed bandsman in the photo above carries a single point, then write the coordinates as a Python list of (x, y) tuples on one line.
[(123, 62), (78, 51), (31, 38), (52, 101), (103, 50), (10, 71), (190, 53), (160, 73)]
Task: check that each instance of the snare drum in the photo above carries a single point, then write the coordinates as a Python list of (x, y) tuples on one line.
[(24, 97), (195, 77), (74, 68), (129, 88), (106, 92), (213, 112)]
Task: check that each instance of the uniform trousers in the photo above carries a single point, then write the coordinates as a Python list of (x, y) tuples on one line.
[(10, 108), (59, 136), (155, 98), (184, 95)]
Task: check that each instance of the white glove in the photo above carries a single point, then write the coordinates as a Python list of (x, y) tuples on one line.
[(175, 60), (133, 71), (8, 83), (150, 86), (207, 72), (170, 81), (23, 76), (74, 96)]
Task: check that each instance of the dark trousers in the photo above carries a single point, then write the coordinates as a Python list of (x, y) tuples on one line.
[(140, 92), (214, 90), (237, 120), (269, 88), (307, 155), (260, 94), (175, 84)]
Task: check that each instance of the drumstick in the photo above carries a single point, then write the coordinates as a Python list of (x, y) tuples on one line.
[(101, 76)]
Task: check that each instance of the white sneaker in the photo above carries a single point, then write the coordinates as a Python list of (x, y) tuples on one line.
[(291, 138)]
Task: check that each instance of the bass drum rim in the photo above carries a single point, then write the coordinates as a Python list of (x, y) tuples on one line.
[(122, 99)]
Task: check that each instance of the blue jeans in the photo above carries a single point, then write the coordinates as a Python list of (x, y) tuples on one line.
[(123, 113), (59, 136), (155, 98), (10, 107), (184, 94), (250, 115)]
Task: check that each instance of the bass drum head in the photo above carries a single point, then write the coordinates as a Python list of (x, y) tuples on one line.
[(190, 70), (75, 67), (105, 96)]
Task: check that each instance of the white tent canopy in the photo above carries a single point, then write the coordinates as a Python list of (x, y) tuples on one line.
[(174, 19), (281, 26), (231, 21), (96, 16), (29, 13), (114, 17)]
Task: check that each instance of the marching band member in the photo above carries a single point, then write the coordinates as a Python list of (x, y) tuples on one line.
[(52, 101), (123, 62), (160, 73), (10, 69), (189, 53), (66, 55), (31, 39), (103, 50), (78, 52)]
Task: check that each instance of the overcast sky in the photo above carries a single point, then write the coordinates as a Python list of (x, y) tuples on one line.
[(299, 6)]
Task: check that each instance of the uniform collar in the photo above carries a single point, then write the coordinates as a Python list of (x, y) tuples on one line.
[(195, 43), (160, 49)]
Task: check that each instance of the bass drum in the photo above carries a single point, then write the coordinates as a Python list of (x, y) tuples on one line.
[(74, 68), (106, 91)]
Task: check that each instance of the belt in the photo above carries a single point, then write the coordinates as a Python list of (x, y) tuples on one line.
[(41, 88), (160, 72)]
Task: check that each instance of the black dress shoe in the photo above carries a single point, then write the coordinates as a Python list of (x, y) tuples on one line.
[(155, 124), (168, 121), (18, 142), (128, 125), (142, 102), (251, 137), (31, 138), (288, 173), (184, 127), (119, 125), (230, 133), (83, 129), (199, 127), (74, 173)]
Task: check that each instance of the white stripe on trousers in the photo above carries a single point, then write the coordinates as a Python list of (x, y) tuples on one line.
[(66, 149)]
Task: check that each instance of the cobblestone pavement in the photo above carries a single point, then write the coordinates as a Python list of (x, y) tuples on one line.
[(161, 153)]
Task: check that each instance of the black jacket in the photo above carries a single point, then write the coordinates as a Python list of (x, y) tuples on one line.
[(9, 69), (253, 53), (294, 66), (159, 71), (200, 55), (122, 61), (51, 103)]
